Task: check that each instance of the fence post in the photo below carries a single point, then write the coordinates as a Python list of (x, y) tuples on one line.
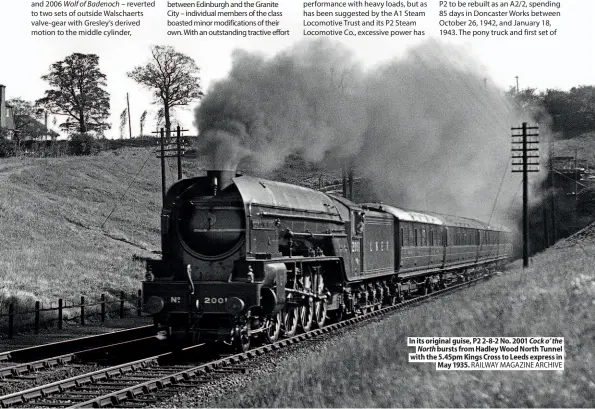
[(82, 310), (121, 304), (10, 319), (102, 307), (37, 317), (139, 302), (60, 313)]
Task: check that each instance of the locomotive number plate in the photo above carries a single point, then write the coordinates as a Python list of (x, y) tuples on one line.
[(215, 300)]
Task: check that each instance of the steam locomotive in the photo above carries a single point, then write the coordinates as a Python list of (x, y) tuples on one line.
[(245, 258)]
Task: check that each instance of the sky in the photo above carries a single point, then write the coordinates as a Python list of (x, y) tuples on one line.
[(561, 61)]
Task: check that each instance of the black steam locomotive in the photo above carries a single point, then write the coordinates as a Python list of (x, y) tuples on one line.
[(246, 257)]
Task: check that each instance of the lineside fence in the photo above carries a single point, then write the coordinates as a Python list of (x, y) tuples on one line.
[(15, 318)]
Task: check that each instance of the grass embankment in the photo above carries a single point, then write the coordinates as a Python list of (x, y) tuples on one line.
[(583, 145), (369, 368), (52, 212), (57, 239)]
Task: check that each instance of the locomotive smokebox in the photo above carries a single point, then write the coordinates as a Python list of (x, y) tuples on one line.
[(220, 179)]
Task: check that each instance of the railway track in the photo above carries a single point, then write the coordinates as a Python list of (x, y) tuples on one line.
[(20, 363), (145, 381)]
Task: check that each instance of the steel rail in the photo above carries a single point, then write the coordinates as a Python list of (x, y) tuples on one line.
[(60, 360), (189, 377), (58, 348), (121, 381), (84, 379)]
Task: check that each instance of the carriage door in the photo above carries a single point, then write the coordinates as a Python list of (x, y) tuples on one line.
[(357, 231)]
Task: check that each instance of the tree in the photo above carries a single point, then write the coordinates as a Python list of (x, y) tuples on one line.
[(25, 117), (143, 119), (173, 76), (77, 93)]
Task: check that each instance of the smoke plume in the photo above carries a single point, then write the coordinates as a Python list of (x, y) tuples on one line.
[(427, 129)]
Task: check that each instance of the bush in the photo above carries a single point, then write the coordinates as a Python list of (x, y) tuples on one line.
[(83, 144), (7, 148)]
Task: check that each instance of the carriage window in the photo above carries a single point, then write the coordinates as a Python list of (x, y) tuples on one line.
[(416, 238), (402, 238)]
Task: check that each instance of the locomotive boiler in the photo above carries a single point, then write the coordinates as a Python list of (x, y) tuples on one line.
[(245, 258)]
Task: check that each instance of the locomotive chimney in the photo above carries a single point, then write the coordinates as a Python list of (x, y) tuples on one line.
[(220, 179)]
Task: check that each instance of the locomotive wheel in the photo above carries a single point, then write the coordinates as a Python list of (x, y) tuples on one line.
[(307, 316), (320, 313), (399, 295), (274, 330), (290, 321), (241, 343)]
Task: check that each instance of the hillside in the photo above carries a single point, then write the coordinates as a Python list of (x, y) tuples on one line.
[(584, 145), (72, 225), (57, 238)]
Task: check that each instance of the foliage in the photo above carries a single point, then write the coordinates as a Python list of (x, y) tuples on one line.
[(173, 76), (143, 119), (571, 112), (77, 93), (27, 119), (7, 148), (83, 144)]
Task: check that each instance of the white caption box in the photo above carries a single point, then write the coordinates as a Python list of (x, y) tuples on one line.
[(489, 353)]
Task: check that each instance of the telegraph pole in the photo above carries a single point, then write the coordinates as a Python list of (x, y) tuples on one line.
[(129, 121), (553, 190), (179, 152), (164, 152), (344, 182), (350, 182), (526, 152), (162, 158)]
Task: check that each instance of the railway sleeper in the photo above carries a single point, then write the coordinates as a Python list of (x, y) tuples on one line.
[(136, 378), (72, 397), (100, 388)]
